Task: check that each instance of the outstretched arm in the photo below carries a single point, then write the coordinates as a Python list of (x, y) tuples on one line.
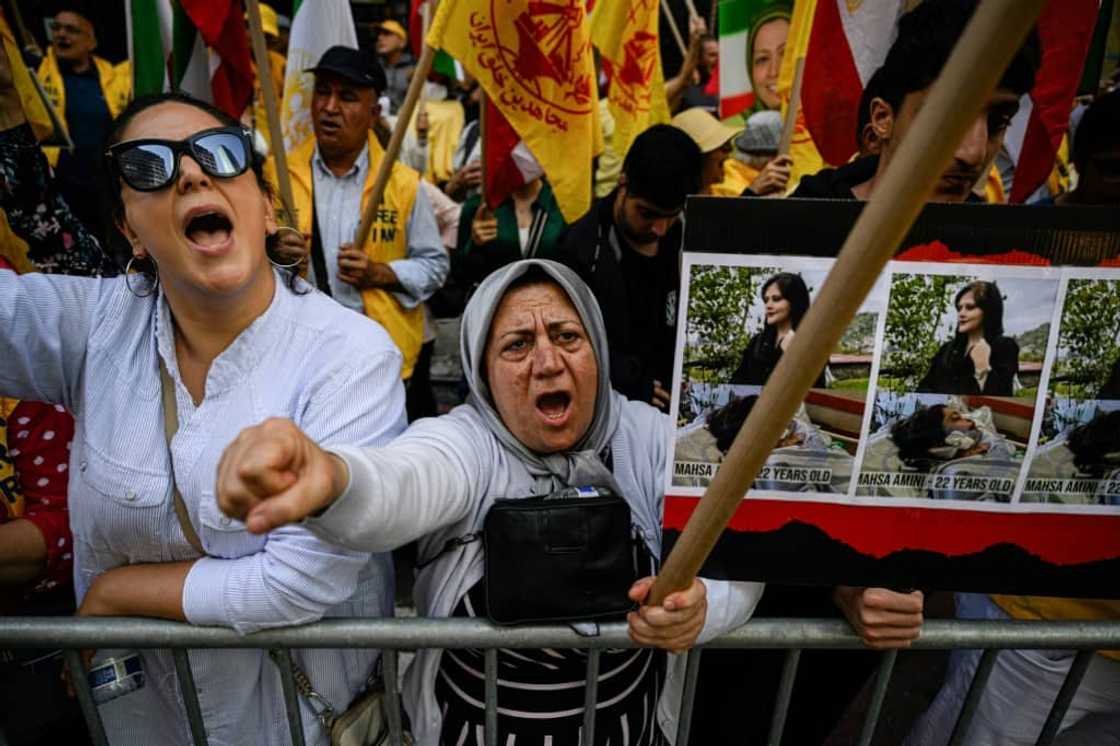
[(364, 499)]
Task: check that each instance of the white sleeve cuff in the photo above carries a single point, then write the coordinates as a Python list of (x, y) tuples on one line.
[(730, 604), (204, 593)]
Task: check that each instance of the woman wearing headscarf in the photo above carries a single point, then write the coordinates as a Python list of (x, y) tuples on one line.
[(767, 31), (540, 416)]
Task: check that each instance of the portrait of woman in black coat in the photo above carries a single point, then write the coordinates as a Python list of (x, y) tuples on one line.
[(786, 300), (979, 359)]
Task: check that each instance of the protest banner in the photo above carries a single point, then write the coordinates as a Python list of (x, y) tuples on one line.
[(916, 460)]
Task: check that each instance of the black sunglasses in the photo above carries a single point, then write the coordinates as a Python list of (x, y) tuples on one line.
[(150, 164)]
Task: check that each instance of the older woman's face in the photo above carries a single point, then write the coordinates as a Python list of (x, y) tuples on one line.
[(541, 368), (205, 233)]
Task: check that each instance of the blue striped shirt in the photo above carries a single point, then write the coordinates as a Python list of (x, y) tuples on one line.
[(92, 346)]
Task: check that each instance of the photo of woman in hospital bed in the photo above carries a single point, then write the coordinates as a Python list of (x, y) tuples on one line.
[(941, 451), (1081, 466), (805, 459)]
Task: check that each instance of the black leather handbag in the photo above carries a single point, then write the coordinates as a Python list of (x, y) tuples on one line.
[(564, 557)]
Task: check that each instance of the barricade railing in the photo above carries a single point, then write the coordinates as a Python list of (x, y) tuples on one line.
[(396, 635)]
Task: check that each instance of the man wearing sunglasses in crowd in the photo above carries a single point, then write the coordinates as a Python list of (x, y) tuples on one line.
[(87, 89), (403, 261)]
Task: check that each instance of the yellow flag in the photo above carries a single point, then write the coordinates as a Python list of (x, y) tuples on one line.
[(625, 32), (533, 59), (33, 108), (803, 151)]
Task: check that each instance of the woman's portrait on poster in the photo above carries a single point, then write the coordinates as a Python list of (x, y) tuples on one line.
[(979, 359)]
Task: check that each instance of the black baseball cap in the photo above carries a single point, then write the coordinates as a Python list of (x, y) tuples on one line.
[(359, 66)]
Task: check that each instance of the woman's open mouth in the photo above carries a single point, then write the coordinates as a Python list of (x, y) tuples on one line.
[(210, 231), (554, 406)]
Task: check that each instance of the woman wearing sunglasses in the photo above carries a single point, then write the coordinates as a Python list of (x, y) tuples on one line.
[(162, 368)]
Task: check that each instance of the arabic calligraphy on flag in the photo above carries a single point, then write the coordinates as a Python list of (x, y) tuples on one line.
[(534, 61)]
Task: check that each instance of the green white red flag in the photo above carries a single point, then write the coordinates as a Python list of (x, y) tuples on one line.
[(199, 47)]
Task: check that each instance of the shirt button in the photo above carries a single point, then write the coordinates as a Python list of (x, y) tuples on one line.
[(130, 496), (82, 466), (224, 521)]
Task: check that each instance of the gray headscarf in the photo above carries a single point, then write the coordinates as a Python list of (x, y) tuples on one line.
[(582, 465)]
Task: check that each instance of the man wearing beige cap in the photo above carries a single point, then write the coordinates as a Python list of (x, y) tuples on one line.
[(392, 48), (714, 139)]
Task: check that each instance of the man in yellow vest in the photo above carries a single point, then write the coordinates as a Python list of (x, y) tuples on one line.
[(87, 92), (403, 262)]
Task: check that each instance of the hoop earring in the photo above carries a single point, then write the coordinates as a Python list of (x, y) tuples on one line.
[(128, 282), (297, 262)]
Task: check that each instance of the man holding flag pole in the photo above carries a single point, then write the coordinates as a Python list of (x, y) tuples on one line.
[(402, 262)]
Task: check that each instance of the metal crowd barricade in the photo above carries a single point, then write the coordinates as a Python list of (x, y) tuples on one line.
[(396, 635)]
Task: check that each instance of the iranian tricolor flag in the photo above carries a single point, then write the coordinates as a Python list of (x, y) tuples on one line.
[(738, 20), (844, 42), (199, 47), (443, 63), (509, 162), (317, 25)]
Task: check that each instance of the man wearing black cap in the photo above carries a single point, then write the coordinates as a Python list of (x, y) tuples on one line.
[(627, 249), (87, 92), (403, 262)]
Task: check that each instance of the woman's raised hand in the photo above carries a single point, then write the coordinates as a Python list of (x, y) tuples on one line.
[(272, 474), (673, 626)]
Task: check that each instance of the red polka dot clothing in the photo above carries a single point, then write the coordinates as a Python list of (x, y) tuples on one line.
[(39, 446)]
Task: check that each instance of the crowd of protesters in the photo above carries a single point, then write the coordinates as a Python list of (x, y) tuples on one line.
[(153, 302)]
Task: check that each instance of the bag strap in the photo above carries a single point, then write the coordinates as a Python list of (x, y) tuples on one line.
[(536, 232), (323, 710), (170, 427), (458, 541), (318, 259), (319, 705)]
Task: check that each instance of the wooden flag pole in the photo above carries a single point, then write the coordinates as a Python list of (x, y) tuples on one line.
[(692, 9), (483, 125), (264, 74), (26, 39), (667, 12), (61, 136), (792, 111), (385, 168), (425, 24), (993, 36)]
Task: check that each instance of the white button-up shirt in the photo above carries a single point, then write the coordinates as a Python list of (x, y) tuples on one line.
[(92, 345)]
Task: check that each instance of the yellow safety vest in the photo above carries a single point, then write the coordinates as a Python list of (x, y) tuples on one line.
[(388, 240), (116, 87)]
